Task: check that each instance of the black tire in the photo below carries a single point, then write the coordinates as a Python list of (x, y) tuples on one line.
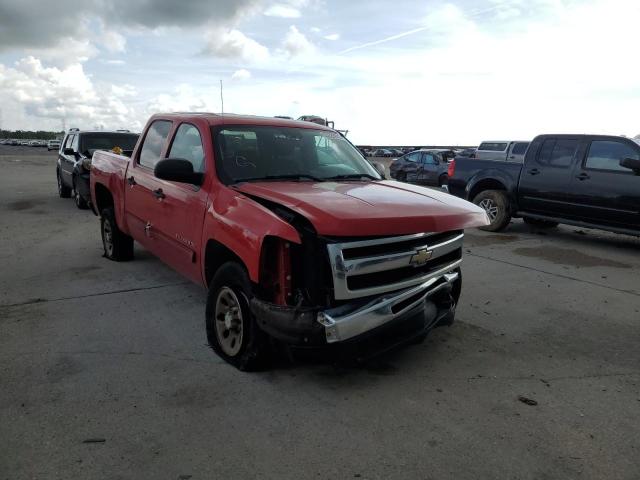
[(80, 202), (250, 350), (63, 191), (117, 246), (443, 181), (498, 208), (536, 222), (401, 177)]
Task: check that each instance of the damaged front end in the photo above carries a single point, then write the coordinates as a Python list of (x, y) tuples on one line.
[(329, 291)]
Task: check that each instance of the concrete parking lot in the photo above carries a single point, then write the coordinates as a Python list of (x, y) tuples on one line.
[(105, 371)]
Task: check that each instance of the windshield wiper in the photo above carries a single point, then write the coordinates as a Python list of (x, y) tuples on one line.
[(296, 177), (351, 176)]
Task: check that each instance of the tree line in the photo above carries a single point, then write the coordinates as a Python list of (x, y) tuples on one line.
[(30, 135)]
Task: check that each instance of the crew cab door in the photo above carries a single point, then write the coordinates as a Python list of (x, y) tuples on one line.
[(546, 176), (180, 213), (167, 217), (604, 192)]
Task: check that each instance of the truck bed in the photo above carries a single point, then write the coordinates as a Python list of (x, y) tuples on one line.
[(469, 173)]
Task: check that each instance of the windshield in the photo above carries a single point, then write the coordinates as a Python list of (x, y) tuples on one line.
[(253, 153), (106, 141)]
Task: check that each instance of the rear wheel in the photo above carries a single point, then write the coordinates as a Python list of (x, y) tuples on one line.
[(536, 222), (497, 205), (117, 245), (232, 331), (443, 181), (63, 191), (81, 203), (401, 177)]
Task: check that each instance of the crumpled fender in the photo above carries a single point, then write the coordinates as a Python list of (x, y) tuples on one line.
[(241, 224)]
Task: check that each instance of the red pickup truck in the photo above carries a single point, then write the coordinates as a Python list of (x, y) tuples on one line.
[(298, 238)]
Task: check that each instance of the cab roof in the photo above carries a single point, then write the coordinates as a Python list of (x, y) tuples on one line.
[(217, 119)]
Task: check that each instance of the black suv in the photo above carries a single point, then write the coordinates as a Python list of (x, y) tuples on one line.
[(74, 159)]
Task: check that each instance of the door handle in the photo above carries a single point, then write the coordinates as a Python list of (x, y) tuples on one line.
[(534, 171), (131, 181), (158, 193), (583, 176)]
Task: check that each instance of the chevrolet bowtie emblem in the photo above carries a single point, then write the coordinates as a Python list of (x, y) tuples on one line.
[(421, 257)]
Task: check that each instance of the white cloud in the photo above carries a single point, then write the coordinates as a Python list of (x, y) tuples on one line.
[(112, 41), (241, 74), (332, 37), (295, 43), (233, 44), (53, 93), (282, 11)]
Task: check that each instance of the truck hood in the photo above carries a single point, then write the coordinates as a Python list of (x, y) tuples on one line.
[(354, 209)]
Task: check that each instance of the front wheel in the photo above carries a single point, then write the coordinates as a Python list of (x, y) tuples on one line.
[(63, 191), (232, 331), (497, 205), (117, 245)]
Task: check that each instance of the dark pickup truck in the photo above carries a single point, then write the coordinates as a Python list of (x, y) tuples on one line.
[(584, 180)]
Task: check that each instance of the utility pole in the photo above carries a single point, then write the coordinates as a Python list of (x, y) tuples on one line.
[(221, 98)]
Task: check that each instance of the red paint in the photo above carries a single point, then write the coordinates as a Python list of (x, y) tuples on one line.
[(178, 227), (452, 168)]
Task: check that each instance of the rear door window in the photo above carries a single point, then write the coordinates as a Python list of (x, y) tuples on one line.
[(429, 159), (558, 152), (154, 142), (606, 155)]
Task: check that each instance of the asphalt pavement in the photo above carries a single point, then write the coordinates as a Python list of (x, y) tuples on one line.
[(105, 372)]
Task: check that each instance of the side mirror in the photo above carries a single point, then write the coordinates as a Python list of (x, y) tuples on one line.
[(380, 169), (177, 170), (632, 164), (68, 151)]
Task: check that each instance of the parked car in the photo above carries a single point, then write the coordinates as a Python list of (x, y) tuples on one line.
[(74, 160), (295, 235), (585, 180), (381, 152), (53, 145), (502, 150), (423, 167), (467, 152)]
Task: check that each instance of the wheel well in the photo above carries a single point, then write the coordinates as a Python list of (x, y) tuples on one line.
[(487, 184), (216, 254), (104, 198)]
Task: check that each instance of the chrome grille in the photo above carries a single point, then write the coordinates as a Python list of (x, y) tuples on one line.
[(372, 267)]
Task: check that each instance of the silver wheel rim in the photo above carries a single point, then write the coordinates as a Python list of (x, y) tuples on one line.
[(490, 207), (107, 237), (228, 320)]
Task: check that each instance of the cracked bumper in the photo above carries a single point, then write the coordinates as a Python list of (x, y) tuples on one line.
[(432, 303)]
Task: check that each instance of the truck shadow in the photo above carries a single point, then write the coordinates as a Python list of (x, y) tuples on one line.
[(575, 235)]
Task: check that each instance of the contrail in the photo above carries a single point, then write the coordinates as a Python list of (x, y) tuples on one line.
[(416, 30)]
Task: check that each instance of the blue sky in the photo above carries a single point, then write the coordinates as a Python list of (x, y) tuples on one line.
[(391, 72)]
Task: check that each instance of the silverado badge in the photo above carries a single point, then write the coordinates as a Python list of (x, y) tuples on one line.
[(421, 257)]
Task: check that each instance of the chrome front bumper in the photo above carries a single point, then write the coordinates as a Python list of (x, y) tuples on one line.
[(347, 322)]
